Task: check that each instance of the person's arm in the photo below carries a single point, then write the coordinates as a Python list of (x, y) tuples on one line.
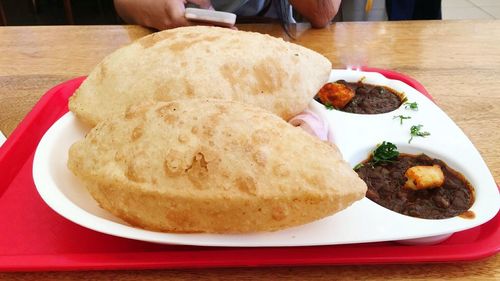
[(318, 12), (159, 14)]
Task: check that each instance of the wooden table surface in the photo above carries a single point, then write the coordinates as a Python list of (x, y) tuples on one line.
[(457, 61)]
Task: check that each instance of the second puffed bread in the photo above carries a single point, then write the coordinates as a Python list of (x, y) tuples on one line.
[(203, 62)]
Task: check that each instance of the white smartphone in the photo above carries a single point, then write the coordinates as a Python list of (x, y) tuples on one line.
[(210, 17)]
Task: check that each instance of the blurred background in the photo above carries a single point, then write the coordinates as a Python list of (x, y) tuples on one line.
[(57, 12), (471, 9), (85, 12)]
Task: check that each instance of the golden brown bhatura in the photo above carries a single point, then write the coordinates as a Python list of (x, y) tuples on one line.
[(211, 166), (203, 62)]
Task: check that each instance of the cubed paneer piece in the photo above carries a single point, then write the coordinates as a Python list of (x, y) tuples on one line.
[(336, 94), (422, 177)]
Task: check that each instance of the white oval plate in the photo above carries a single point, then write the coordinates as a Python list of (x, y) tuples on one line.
[(355, 135)]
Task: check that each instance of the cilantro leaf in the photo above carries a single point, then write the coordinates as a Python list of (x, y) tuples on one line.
[(401, 118), (385, 152), (411, 105), (415, 131)]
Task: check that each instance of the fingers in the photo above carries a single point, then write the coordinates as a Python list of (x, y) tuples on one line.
[(175, 15)]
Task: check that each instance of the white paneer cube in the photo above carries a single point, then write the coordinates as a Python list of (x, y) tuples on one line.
[(422, 177)]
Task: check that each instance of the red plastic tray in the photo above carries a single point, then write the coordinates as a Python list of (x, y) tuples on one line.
[(35, 238)]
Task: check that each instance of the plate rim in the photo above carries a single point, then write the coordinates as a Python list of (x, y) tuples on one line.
[(44, 195)]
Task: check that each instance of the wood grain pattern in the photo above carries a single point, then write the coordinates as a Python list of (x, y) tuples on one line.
[(484, 270), (457, 61)]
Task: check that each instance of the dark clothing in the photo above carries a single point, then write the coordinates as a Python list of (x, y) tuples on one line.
[(413, 9)]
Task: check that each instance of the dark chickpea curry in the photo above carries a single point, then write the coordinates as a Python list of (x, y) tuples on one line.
[(415, 185), (359, 97)]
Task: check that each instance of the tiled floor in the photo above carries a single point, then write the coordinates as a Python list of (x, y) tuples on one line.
[(471, 9)]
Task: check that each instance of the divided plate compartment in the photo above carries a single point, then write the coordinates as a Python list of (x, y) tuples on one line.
[(36, 238), (357, 135)]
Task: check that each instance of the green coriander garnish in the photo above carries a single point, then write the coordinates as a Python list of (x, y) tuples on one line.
[(415, 132), (401, 118), (384, 153), (358, 166), (411, 105), (329, 106)]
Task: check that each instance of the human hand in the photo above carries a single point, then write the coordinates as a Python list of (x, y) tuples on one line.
[(318, 12), (158, 14)]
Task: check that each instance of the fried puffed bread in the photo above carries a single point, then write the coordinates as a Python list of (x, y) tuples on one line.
[(203, 62), (211, 166)]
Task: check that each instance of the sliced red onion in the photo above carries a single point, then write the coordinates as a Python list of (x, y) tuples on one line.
[(311, 123)]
